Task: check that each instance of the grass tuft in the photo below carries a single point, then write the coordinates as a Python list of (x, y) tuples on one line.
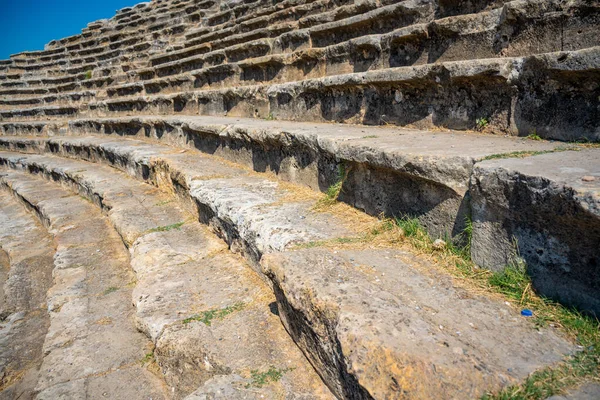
[(149, 357), (534, 136), (481, 123), (260, 379), (167, 228), (206, 317), (520, 154), (110, 290), (333, 192)]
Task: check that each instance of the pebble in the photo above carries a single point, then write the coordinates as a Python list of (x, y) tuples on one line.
[(588, 178), (439, 244)]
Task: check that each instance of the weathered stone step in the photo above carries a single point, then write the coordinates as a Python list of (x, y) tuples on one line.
[(499, 92), (86, 314), (26, 263), (71, 99), (184, 276), (376, 323), (428, 175), (261, 61), (496, 94), (204, 40)]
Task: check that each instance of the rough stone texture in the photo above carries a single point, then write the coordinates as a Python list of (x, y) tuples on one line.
[(372, 308), (182, 272), (346, 310), (523, 67), (383, 174), (26, 265), (84, 315), (385, 166), (543, 209)]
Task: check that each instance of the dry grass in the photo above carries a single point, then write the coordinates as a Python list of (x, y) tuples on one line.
[(512, 284)]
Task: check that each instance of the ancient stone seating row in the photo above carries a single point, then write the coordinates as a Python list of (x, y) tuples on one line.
[(244, 8), (167, 25), (363, 308), (452, 94), (263, 68), (428, 175), (189, 258)]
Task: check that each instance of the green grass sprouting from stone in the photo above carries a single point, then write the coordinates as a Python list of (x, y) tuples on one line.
[(260, 379), (167, 228), (530, 153), (149, 357), (534, 136), (514, 284), (521, 154), (110, 290), (206, 317), (333, 192)]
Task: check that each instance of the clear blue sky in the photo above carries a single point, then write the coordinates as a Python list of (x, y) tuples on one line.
[(27, 25)]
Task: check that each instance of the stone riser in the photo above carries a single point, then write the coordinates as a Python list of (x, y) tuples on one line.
[(439, 193), (319, 318), (413, 46), (451, 95), (160, 311)]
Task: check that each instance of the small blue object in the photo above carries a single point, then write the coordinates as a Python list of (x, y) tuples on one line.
[(527, 313)]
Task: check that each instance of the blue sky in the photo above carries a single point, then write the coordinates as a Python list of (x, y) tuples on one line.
[(30, 24)]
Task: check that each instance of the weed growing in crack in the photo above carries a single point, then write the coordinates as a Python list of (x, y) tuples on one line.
[(481, 123), (333, 192), (534, 136), (149, 357), (110, 290), (206, 317), (522, 154), (167, 228), (88, 75), (260, 379)]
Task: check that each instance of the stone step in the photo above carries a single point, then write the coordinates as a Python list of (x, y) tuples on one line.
[(76, 39), (441, 40), (184, 275), (398, 172), (85, 315), (497, 94), (261, 61), (375, 322), (26, 263)]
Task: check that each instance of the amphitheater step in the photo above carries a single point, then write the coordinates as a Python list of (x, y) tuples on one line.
[(26, 263), (353, 310), (207, 313), (85, 314), (433, 176)]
